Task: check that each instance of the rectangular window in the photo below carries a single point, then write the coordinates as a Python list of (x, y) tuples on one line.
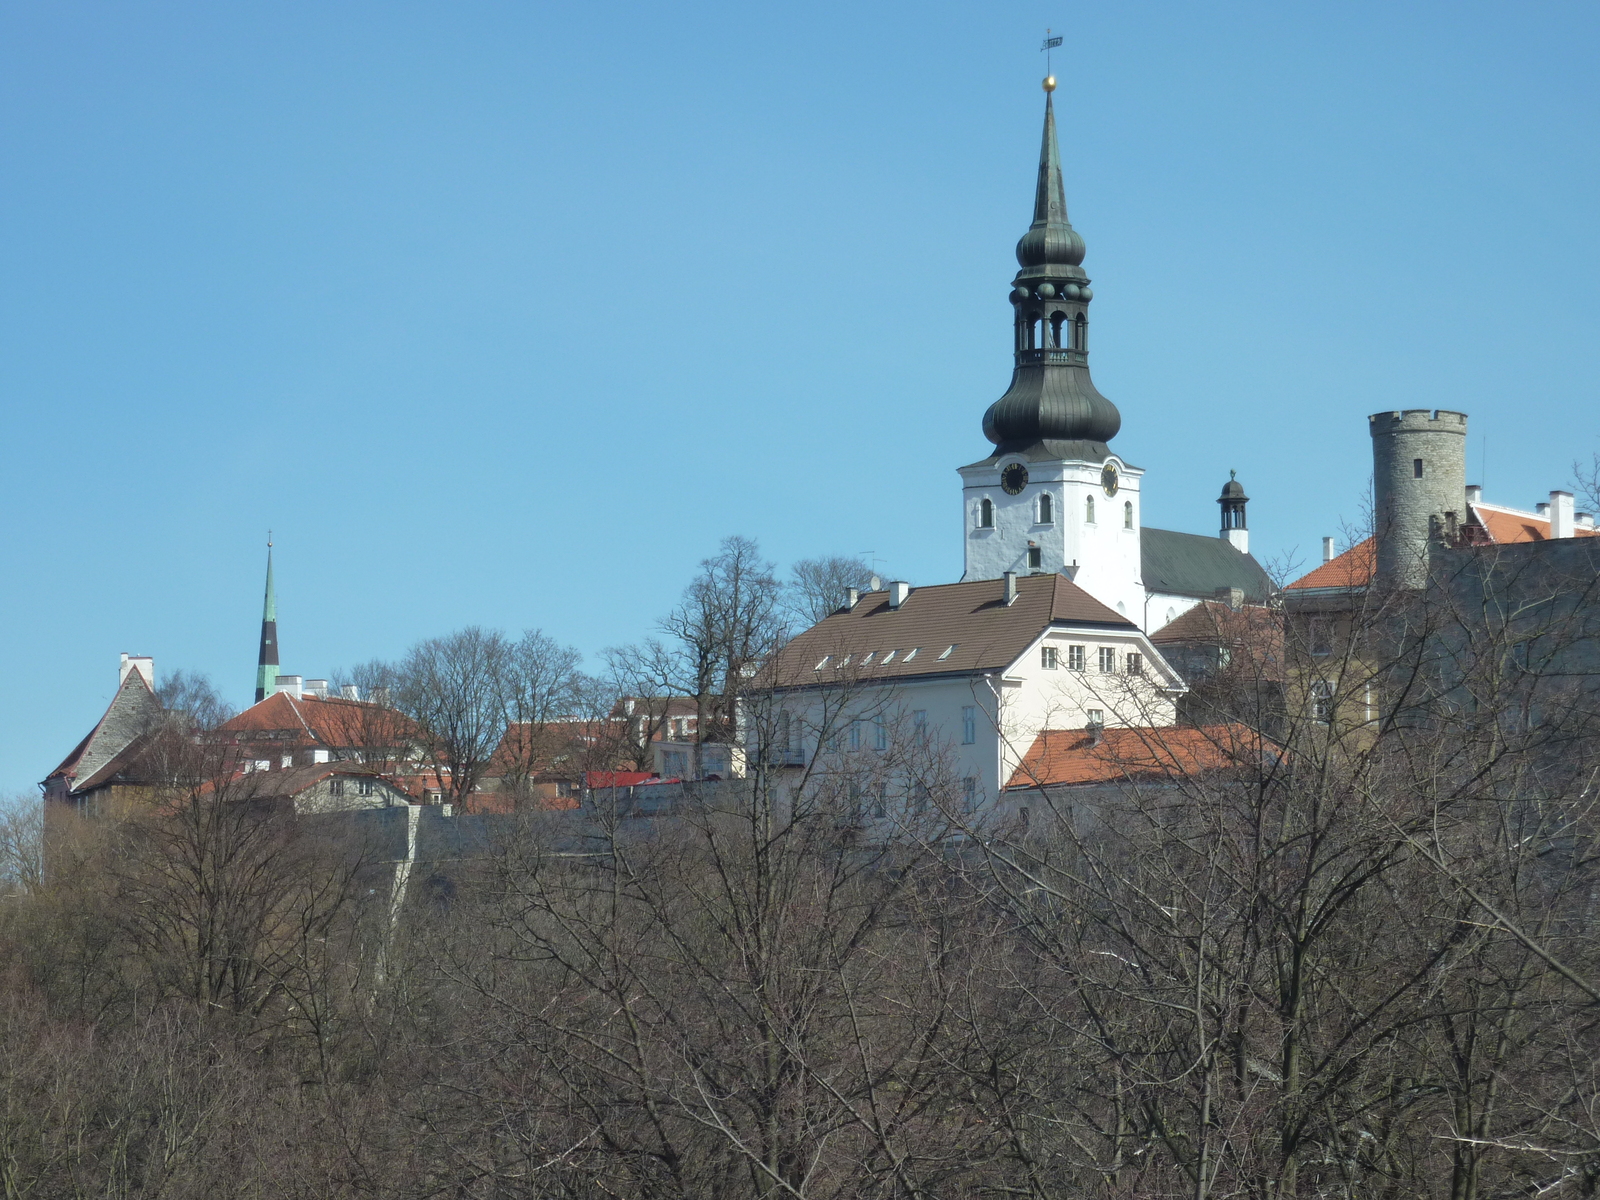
[(365, 787), (1321, 636), (1135, 664), (919, 725), (1108, 660), (969, 793), (880, 734), (1035, 558), (920, 797), (1416, 468), (1321, 701), (336, 787), (1074, 658), (855, 735), (969, 725), (1047, 657)]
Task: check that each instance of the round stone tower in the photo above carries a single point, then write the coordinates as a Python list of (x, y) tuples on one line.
[(1419, 485)]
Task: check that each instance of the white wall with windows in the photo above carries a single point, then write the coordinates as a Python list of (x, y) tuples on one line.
[(977, 727), (1062, 521)]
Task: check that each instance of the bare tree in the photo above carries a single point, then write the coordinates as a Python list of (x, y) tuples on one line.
[(21, 845), (817, 586), (455, 689), (728, 621)]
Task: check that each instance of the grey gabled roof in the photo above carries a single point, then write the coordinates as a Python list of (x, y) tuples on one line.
[(1191, 564)]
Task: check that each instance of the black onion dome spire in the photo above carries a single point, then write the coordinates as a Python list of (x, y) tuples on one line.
[(1052, 408)]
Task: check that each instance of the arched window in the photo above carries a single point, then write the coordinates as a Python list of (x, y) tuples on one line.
[(985, 514), (1080, 338), (1046, 510), (1033, 333), (1127, 514), (1056, 322), (1088, 509)]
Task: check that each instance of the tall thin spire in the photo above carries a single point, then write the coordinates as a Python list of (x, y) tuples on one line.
[(1052, 410), (267, 662)]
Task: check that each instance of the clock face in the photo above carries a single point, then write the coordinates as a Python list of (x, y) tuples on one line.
[(1108, 480), (1014, 478)]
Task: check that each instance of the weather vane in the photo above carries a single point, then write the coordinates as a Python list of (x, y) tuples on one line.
[(1050, 43)]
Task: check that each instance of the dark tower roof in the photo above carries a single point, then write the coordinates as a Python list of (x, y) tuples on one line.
[(267, 660), (1052, 408)]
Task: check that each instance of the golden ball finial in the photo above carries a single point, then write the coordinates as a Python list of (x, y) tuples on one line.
[(1049, 83)]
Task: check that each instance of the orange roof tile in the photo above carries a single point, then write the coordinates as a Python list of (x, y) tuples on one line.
[(1507, 526), (1352, 569), (1070, 756), (331, 722)]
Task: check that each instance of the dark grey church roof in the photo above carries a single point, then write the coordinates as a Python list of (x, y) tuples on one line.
[(1191, 564)]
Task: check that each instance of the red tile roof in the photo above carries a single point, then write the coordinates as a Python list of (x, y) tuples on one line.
[(1507, 526), (1352, 569), (1071, 756), (333, 722)]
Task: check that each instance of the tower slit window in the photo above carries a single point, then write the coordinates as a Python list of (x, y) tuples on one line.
[(1127, 514), (1416, 468), (1080, 336), (1088, 509), (1046, 510), (985, 514)]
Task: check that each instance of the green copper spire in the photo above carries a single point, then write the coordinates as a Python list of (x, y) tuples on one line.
[(267, 663)]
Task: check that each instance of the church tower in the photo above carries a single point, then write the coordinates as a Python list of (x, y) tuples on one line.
[(1052, 496), (267, 661)]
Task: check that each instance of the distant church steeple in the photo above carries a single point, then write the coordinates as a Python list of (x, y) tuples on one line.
[(267, 663), (1052, 409)]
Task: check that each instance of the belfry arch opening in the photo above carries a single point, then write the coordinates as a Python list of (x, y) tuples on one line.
[(1056, 322)]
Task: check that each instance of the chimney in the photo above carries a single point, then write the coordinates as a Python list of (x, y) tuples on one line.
[(1474, 493), (1011, 588), (1561, 515), (898, 591), (317, 688), (349, 691), (142, 663), (1583, 520), (851, 596), (290, 684), (1231, 596), (1327, 549)]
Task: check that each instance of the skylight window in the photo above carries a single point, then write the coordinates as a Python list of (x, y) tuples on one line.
[(825, 660), (867, 660), (888, 658), (842, 663), (948, 651)]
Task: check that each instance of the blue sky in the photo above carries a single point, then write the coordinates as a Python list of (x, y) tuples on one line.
[(505, 313)]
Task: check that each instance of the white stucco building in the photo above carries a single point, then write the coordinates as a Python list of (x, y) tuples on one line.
[(959, 680)]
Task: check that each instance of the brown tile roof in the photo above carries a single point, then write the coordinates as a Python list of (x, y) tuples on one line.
[(1352, 569), (1070, 756), (971, 617)]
